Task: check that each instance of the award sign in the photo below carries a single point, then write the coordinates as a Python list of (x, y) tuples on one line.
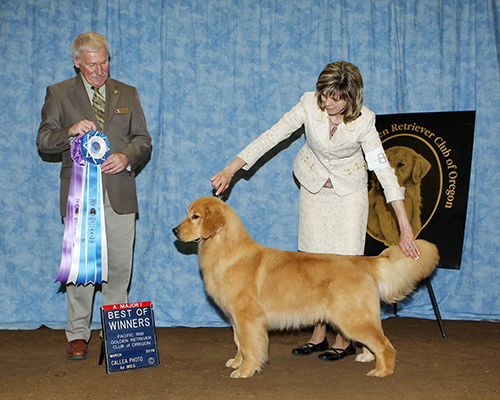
[(129, 336)]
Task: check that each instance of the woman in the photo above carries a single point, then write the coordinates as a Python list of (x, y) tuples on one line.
[(331, 170)]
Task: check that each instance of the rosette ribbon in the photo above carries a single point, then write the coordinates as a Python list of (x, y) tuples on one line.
[(85, 253)]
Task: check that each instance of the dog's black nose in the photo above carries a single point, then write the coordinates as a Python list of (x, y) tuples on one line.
[(175, 231)]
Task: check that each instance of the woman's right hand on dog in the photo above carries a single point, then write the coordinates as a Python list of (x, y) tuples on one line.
[(221, 180)]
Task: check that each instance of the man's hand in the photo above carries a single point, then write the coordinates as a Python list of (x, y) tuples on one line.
[(81, 128), (114, 164)]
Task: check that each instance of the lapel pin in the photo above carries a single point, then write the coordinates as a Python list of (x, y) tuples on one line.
[(116, 92)]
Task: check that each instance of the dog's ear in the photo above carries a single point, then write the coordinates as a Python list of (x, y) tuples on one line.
[(213, 221), (420, 169)]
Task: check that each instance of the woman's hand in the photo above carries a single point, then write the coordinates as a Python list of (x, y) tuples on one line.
[(407, 244), (221, 180), (406, 239)]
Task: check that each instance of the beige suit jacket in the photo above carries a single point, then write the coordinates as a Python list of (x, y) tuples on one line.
[(340, 159), (67, 103)]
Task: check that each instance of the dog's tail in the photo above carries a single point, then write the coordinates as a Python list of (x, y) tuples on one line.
[(397, 275)]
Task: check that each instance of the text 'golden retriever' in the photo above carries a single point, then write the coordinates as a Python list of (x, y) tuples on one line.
[(262, 288)]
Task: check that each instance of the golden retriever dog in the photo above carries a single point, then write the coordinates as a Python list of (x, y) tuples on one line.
[(261, 288), (410, 168)]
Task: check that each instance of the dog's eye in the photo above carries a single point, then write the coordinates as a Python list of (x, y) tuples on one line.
[(194, 216), (401, 164)]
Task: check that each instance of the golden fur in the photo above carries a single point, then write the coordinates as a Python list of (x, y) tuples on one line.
[(262, 288)]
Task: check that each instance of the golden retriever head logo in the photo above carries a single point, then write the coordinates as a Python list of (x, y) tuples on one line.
[(410, 168)]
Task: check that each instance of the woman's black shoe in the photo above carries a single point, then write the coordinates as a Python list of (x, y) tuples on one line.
[(309, 348), (338, 354)]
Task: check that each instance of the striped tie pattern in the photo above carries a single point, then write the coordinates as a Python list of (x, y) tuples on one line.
[(99, 105)]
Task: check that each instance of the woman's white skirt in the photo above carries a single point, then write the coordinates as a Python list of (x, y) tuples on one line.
[(329, 223)]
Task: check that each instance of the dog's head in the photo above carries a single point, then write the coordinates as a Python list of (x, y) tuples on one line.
[(205, 218)]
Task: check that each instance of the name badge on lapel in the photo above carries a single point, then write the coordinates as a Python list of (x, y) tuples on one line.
[(120, 111)]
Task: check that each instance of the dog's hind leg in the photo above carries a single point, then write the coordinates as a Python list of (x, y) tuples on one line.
[(235, 362), (367, 329), (385, 354), (254, 344)]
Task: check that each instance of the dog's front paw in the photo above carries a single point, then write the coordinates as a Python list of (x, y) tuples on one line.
[(365, 356)]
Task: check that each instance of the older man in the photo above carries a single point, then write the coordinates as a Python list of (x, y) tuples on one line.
[(93, 101)]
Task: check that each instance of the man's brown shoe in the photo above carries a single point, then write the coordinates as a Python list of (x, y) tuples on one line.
[(77, 350)]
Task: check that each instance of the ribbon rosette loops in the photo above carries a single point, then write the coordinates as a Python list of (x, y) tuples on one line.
[(95, 147), (85, 258)]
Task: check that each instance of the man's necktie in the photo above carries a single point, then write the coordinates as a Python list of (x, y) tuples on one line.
[(99, 105)]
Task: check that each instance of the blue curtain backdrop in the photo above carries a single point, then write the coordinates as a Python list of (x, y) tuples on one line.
[(212, 75)]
